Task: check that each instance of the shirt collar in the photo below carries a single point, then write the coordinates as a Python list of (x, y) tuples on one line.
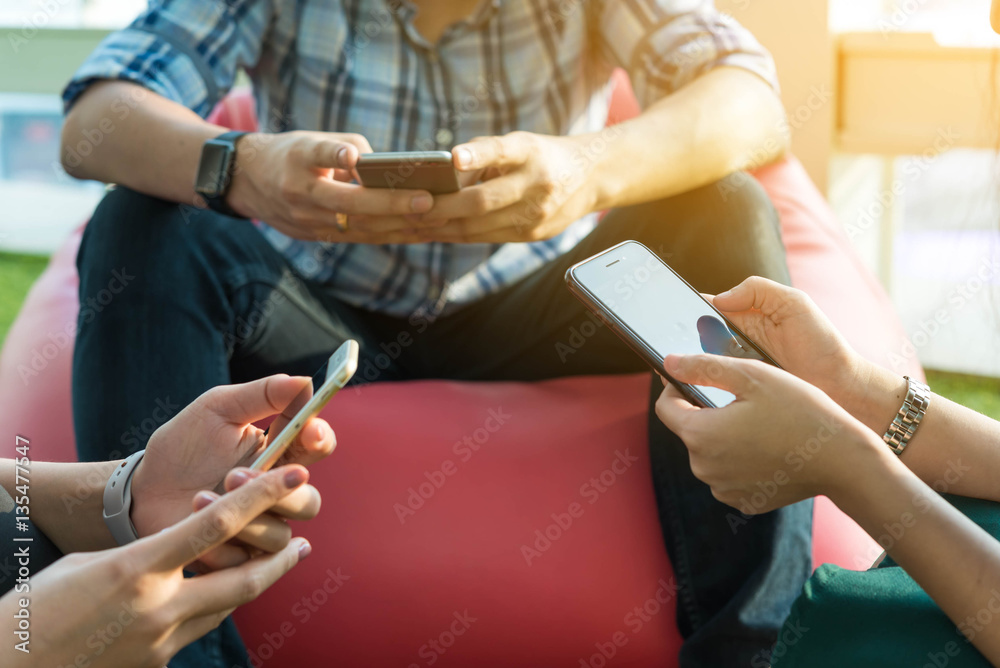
[(405, 11)]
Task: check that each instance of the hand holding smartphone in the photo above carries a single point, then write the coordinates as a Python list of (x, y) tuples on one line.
[(339, 370), (432, 171), (657, 313)]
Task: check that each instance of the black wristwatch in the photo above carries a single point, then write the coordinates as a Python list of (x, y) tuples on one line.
[(215, 171)]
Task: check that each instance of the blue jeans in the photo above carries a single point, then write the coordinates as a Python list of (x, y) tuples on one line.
[(208, 301)]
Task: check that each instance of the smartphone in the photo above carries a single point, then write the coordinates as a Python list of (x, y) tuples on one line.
[(432, 171), (657, 313), (339, 370)]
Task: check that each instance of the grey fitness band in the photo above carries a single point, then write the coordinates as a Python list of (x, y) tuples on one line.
[(118, 501)]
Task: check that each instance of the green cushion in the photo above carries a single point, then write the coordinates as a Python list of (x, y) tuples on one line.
[(879, 618)]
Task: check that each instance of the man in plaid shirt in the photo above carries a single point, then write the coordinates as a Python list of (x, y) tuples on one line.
[(465, 285)]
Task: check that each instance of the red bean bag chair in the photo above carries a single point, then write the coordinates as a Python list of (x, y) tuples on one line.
[(460, 523)]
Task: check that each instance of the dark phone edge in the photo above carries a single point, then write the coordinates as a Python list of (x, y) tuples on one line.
[(690, 392), (376, 169), (633, 341)]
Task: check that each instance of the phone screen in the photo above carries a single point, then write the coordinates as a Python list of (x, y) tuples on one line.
[(661, 309)]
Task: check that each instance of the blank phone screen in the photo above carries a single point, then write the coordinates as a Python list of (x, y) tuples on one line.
[(661, 309)]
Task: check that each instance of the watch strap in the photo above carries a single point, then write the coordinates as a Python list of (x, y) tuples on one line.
[(218, 202), (118, 500)]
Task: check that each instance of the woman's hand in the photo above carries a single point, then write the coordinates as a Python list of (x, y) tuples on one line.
[(194, 454), (132, 606), (532, 187), (782, 440), (798, 336), (298, 182)]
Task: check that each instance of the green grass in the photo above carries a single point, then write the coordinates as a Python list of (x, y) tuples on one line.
[(977, 392), (18, 272)]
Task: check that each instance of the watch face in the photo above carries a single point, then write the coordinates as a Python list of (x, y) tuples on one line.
[(213, 170)]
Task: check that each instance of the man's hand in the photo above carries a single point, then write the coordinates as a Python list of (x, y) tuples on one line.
[(195, 452), (297, 182), (532, 187)]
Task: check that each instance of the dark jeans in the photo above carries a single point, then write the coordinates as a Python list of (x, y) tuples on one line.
[(209, 302)]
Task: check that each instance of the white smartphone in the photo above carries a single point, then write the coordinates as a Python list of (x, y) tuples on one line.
[(657, 313), (339, 370)]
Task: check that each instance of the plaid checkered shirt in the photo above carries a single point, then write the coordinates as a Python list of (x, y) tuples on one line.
[(360, 66)]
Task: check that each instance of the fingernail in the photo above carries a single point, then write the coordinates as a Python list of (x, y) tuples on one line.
[(296, 477), (671, 362), (239, 478), (342, 155), (203, 499), (463, 157), (724, 294), (305, 549), (421, 203)]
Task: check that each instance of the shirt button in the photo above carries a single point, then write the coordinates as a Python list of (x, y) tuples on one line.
[(432, 56), (444, 137)]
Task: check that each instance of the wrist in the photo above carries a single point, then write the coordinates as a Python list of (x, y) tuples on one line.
[(875, 397), (139, 512), (242, 188), (863, 460), (595, 152)]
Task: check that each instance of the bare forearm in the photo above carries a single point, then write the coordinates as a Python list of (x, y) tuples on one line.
[(955, 561), (120, 132), (66, 501), (727, 120), (955, 449)]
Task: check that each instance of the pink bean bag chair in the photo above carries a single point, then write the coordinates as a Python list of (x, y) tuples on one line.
[(459, 526)]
